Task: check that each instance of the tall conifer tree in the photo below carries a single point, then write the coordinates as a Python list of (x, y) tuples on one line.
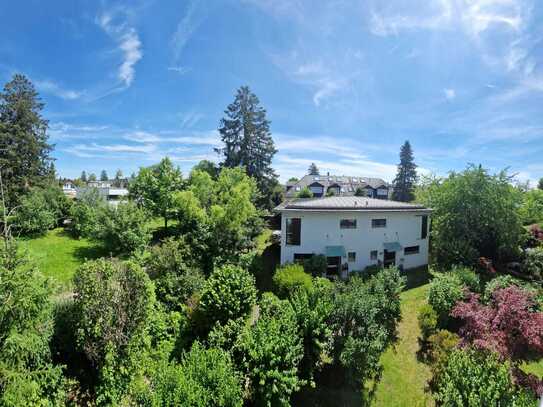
[(406, 178), (313, 169)]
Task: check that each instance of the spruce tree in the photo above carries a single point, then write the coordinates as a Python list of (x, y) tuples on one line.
[(245, 132), (404, 183), (103, 176), (24, 149), (540, 184), (83, 176), (313, 169)]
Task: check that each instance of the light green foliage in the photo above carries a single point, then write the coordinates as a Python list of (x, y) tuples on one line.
[(174, 270), (533, 263), (305, 192), (427, 321), (445, 291), (291, 277), (124, 229), (34, 216), (86, 213), (154, 188), (57, 202), (473, 379), (316, 265), (474, 214), (468, 277), (113, 304), (205, 377), (27, 376), (439, 347), (229, 293), (501, 281), (531, 210), (272, 352), (365, 319)]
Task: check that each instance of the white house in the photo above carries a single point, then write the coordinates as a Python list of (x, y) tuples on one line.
[(354, 232), (112, 195)]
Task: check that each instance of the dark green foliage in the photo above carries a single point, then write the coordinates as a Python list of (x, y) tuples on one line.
[(474, 214), (439, 347), (468, 277), (86, 214), (103, 176), (316, 265), (365, 319), (27, 375), (471, 379), (154, 188), (229, 293), (272, 352), (313, 169), (533, 263), (124, 229), (406, 178), (113, 304), (427, 321), (92, 177), (445, 291), (291, 277), (175, 272), (34, 216), (502, 281), (83, 176), (305, 192), (540, 184), (360, 192), (246, 135), (207, 166), (24, 150)]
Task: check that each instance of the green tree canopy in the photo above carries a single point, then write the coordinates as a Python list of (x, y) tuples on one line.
[(313, 169), (83, 176), (92, 176), (103, 176), (406, 178), (531, 210), (540, 183)]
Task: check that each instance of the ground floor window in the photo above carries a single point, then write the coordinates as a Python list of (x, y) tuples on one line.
[(351, 257), (373, 255), (411, 250), (300, 257)]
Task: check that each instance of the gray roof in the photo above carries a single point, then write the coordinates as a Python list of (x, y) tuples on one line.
[(350, 183), (348, 203)]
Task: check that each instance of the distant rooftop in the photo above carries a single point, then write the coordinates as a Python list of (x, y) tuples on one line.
[(349, 203)]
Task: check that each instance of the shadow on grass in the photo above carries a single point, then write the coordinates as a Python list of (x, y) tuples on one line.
[(417, 277), (92, 252)]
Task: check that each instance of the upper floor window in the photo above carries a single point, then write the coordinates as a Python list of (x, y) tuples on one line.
[(378, 223), (293, 231), (411, 250), (347, 223), (373, 255), (351, 257), (424, 227)]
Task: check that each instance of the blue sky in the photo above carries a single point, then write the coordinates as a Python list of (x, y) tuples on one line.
[(344, 82)]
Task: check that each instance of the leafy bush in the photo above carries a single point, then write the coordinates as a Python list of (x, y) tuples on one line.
[(427, 321), (34, 216), (468, 277), (533, 263), (471, 378), (445, 291), (291, 277), (305, 192), (124, 228), (501, 281), (272, 352), (113, 304), (86, 213), (229, 293), (531, 210), (172, 267), (58, 203), (440, 345), (316, 265)]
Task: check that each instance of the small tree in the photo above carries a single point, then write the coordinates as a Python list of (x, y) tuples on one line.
[(360, 192), (86, 214), (290, 278), (406, 178), (103, 176), (313, 170), (83, 176), (445, 291), (34, 215), (124, 229), (118, 178), (540, 183), (531, 210), (92, 177), (305, 192)]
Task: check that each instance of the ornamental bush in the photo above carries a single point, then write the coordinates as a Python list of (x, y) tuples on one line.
[(316, 265), (289, 278), (445, 291), (34, 216), (468, 277), (427, 321), (86, 214), (533, 263)]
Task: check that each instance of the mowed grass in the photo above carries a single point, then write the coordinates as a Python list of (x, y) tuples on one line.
[(404, 377), (57, 254)]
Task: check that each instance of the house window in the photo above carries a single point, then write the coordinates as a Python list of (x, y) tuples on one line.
[(294, 227), (378, 223), (373, 255), (300, 257), (347, 224), (351, 257), (424, 227), (411, 250)]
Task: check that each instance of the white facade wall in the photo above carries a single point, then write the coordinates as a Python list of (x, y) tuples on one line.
[(321, 228)]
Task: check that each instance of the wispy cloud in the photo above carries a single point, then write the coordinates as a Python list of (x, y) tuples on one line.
[(190, 21), (450, 94), (128, 44), (181, 70), (51, 87)]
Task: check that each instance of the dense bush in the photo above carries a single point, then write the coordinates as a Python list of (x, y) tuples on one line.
[(113, 304), (533, 263), (316, 265), (471, 379), (86, 213), (501, 281), (445, 291), (439, 347), (58, 203), (365, 317), (175, 272), (427, 321), (468, 277), (124, 229), (229, 293), (305, 192), (531, 210), (272, 352), (34, 216), (291, 277)]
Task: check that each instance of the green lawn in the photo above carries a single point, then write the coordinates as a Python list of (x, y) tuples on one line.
[(58, 255), (404, 377)]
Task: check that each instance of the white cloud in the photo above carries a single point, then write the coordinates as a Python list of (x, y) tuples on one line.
[(450, 94), (54, 88), (128, 43), (185, 28), (209, 138), (181, 70)]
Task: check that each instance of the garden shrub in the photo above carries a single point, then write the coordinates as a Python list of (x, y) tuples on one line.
[(468, 277), (34, 216), (501, 281), (175, 272), (316, 265), (305, 192), (427, 321), (445, 291), (533, 263), (86, 213), (291, 277), (439, 347)]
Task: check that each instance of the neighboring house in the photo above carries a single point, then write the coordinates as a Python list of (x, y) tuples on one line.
[(354, 232), (112, 195), (339, 185), (69, 189)]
